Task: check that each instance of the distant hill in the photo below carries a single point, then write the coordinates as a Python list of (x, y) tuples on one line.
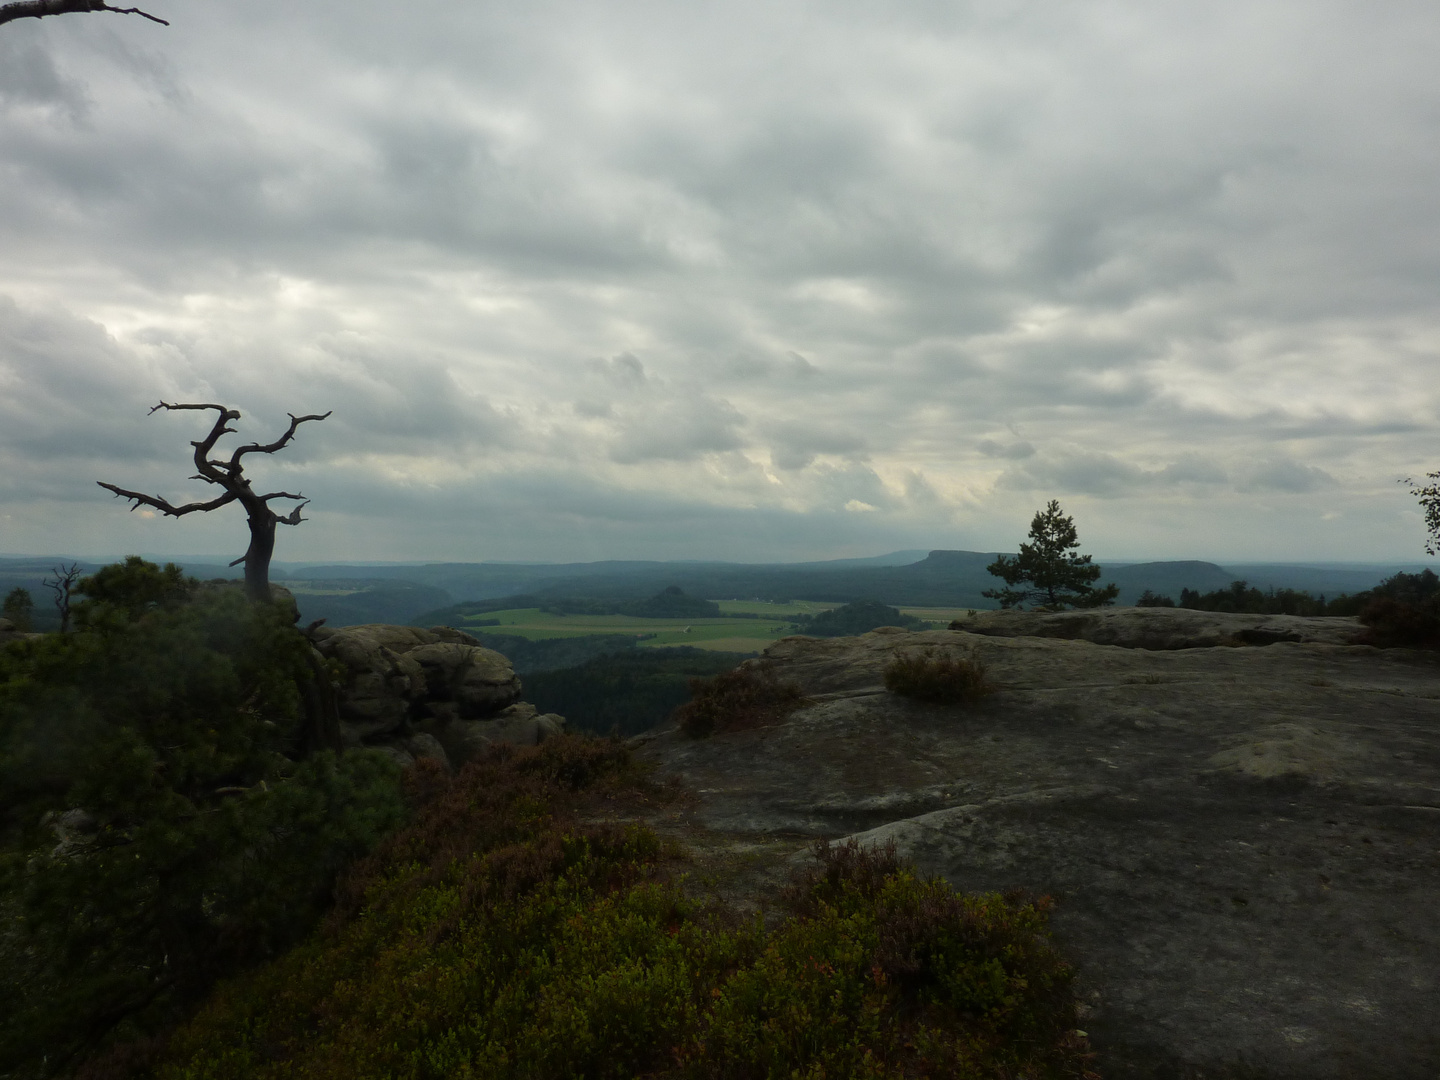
[(1166, 579), (371, 602), (941, 578)]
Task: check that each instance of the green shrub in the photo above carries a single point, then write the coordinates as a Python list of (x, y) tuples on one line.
[(750, 696), (160, 825), (1393, 623), (853, 619), (937, 677), (505, 933), (1243, 598), (19, 609)]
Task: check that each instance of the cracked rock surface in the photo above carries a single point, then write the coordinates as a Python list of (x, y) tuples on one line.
[(1242, 841)]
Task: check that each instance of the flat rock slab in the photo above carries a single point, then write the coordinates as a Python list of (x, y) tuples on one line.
[(1165, 628), (1242, 841)]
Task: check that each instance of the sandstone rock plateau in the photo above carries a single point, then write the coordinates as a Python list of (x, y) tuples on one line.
[(1242, 841)]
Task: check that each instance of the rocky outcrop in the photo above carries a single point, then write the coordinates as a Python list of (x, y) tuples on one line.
[(9, 632), (1241, 841), (1162, 628), (433, 693)]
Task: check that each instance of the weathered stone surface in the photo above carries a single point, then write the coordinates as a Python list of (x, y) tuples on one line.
[(426, 746), (401, 757), (457, 637), (8, 632), (357, 646), (463, 739), (396, 674), (479, 681), (1242, 841), (521, 710), (1163, 628)]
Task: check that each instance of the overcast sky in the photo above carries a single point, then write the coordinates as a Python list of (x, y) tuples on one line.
[(756, 281)]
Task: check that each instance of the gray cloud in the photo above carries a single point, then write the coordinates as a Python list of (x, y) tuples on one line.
[(826, 255), (1291, 477), (796, 444), (677, 429), (992, 448)]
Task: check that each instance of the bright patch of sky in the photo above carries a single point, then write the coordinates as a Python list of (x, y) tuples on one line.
[(751, 281)]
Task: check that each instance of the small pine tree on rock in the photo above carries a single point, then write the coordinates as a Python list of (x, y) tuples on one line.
[(1054, 576), (19, 608)]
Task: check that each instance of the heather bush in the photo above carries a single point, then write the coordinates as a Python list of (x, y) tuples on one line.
[(938, 678), (506, 932), (749, 696)]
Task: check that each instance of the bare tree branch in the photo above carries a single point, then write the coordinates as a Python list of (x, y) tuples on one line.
[(292, 518), (281, 495), (270, 448), (141, 499), (229, 414), (38, 9)]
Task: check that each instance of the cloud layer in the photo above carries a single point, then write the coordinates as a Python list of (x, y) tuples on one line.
[(748, 281)]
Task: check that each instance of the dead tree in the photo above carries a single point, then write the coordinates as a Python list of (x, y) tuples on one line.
[(38, 9), (62, 587), (229, 476)]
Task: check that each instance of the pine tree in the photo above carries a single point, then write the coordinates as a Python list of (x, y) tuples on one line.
[(1057, 576), (19, 608)]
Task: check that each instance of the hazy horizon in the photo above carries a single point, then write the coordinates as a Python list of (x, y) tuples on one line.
[(750, 282), (1103, 560)]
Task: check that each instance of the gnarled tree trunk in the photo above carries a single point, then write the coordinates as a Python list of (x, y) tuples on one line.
[(229, 476)]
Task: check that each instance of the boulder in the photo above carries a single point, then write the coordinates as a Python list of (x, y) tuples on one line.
[(401, 757), (9, 632), (394, 674), (432, 693), (457, 637), (479, 681), (426, 746), (519, 724)]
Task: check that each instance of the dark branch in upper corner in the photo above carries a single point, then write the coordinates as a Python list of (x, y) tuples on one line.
[(39, 9)]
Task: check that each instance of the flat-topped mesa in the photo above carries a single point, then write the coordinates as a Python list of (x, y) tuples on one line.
[(434, 693), (1164, 628)]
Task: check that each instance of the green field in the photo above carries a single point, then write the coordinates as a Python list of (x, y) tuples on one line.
[(722, 634)]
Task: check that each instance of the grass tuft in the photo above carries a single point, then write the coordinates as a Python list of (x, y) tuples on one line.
[(938, 678)]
